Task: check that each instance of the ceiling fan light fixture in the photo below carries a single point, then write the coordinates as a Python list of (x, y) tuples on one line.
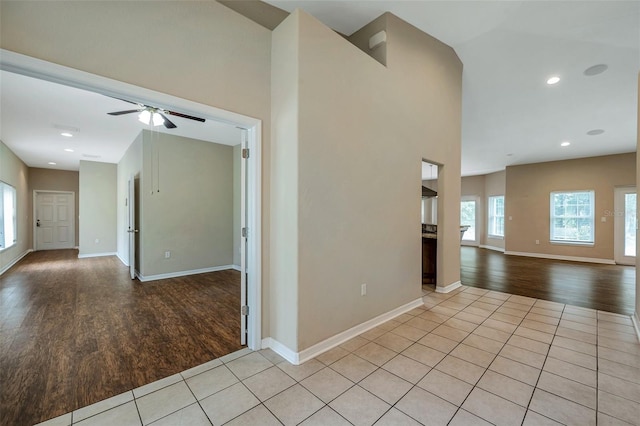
[(553, 80), (145, 117), (157, 119)]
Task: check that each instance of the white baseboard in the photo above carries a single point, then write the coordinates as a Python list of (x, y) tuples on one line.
[(85, 256), (494, 248), (448, 288), (236, 267), (124, 262), (636, 323), (297, 358), (281, 350), (559, 257), (144, 278), (14, 261)]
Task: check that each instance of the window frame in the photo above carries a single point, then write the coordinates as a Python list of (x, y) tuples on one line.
[(491, 215), (553, 239), (8, 220)]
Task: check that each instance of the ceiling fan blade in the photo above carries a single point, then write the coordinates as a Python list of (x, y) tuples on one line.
[(125, 112), (190, 117), (167, 123)]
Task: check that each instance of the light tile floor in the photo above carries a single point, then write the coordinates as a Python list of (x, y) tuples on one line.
[(470, 357)]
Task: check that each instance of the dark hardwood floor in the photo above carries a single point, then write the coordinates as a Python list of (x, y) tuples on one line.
[(76, 331), (604, 287)]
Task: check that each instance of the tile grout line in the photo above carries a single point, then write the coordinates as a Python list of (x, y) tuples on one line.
[(543, 364)]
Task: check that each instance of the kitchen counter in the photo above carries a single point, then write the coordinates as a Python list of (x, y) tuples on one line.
[(431, 235)]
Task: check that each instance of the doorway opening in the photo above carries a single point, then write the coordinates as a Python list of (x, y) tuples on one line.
[(429, 216), (252, 130)]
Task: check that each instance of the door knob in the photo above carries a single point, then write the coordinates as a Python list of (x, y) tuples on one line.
[(38, 223)]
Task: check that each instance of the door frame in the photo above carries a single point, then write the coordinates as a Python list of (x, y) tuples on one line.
[(37, 68), (618, 225), (34, 214)]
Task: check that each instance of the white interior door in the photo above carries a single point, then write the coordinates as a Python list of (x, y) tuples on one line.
[(244, 307), (131, 200), (625, 224), (55, 225)]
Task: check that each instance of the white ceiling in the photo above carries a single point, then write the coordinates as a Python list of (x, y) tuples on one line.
[(509, 49), (510, 115), (35, 112)]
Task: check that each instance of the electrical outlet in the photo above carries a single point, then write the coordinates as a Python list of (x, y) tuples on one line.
[(537, 241), (167, 254), (363, 290), (97, 240)]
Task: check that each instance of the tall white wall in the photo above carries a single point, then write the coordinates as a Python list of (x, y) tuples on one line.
[(349, 136)]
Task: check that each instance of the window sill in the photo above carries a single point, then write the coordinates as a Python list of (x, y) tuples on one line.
[(572, 243), (496, 237)]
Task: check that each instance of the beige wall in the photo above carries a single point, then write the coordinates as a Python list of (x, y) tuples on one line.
[(217, 57), (54, 180), (186, 204), (14, 172), (528, 189), (98, 190), (356, 224)]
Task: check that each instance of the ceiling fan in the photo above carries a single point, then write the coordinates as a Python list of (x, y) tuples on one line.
[(158, 116)]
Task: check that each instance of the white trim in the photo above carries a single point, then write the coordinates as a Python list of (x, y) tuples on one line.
[(236, 267), (559, 257), (16, 260), (297, 358), (448, 288), (122, 260), (494, 248), (29, 66), (183, 273), (282, 350), (85, 256), (636, 323)]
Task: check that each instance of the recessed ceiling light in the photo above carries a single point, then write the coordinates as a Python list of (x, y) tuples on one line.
[(51, 163), (595, 132), (553, 80), (68, 149), (565, 143), (66, 134), (595, 70)]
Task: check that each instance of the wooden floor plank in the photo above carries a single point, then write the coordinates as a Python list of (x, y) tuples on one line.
[(76, 331), (596, 286)]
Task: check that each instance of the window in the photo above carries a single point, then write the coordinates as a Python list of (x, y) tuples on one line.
[(468, 218), (7, 216), (572, 217), (496, 216)]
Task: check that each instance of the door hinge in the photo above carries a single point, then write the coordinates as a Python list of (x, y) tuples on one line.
[(245, 153), (244, 310), (245, 233)]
